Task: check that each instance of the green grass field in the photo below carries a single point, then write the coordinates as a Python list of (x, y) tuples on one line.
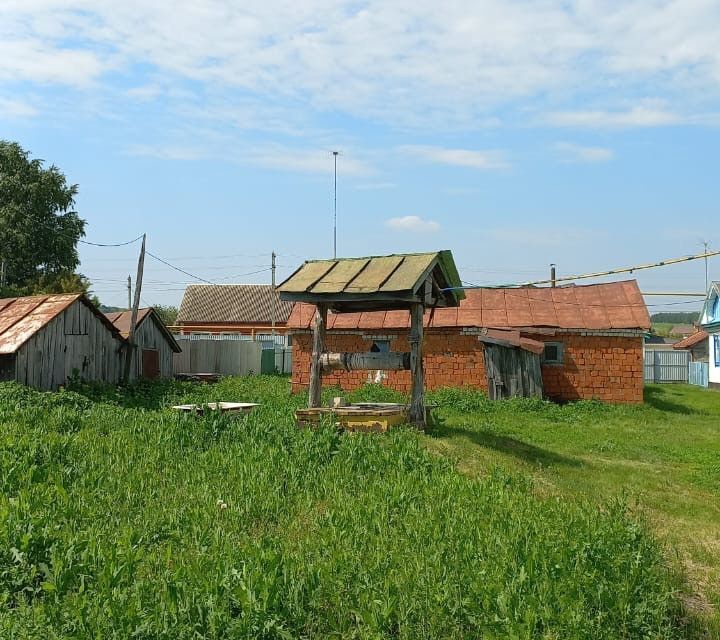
[(519, 519)]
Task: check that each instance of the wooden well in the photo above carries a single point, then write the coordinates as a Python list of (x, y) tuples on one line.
[(411, 282)]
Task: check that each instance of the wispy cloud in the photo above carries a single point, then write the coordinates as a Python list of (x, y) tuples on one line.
[(16, 109), (474, 159), (166, 152), (576, 153), (375, 186), (412, 223), (302, 160), (635, 117), (440, 62)]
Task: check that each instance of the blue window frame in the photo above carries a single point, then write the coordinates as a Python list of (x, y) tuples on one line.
[(716, 339)]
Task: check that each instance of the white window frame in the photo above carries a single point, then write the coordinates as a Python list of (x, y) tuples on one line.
[(560, 360)]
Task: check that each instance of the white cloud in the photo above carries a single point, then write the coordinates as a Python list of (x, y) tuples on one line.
[(576, 153), (302, 160), (166, 152), (405, 62), (16, 109), (412, 223), (484, 160), (636, 117), (375, 186)]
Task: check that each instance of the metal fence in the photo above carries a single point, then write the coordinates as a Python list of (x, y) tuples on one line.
[(699, 373), (666, 365), (229, 357)]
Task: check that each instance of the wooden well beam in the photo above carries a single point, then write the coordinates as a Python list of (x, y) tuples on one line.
[(370, 360), (319, 329), (417, 389)]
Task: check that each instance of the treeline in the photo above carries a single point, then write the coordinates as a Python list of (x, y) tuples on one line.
[(678, 317)]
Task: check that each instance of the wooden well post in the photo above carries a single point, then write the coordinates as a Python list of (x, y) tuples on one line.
[(314, 394)]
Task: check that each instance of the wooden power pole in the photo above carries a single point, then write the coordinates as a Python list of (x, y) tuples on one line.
[(134, 312)]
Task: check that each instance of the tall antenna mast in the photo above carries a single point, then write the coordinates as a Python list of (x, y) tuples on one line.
[(335, 157)]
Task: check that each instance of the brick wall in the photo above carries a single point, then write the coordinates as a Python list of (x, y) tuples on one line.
[(602, 367), (450, 358)]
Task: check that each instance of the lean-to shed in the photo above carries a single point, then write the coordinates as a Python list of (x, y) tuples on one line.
[(47, 339), (153, 344)]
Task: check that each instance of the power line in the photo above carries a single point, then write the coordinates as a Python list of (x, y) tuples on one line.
[(116, 244), (172, 266), (599, 274)]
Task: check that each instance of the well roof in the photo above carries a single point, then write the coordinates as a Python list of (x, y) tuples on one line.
[(392, 281)]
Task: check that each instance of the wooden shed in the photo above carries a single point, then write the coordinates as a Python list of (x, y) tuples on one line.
[(153, 344), (46, 340)]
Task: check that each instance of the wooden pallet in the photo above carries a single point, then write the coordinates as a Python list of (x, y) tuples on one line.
[(223, 407)]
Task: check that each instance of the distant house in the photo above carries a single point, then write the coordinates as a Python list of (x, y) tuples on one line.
[(682, 330), (697, 344), (232, 308), (590, 338), (154, 344), (710, 322), (47, 340)]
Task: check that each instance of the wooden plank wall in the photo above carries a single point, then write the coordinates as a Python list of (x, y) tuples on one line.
[(512, 372), (75, 343), (149, 336)]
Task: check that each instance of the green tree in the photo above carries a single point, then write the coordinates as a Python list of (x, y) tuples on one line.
[(168, 314), (39, 229)]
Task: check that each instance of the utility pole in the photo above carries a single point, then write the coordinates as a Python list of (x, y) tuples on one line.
[(273, 302), (2, 274), (706, 266), (134, 312), (335, 156), (129, 287), (552, 275)]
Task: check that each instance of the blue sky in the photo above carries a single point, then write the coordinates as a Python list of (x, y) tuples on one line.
[(514, 133)]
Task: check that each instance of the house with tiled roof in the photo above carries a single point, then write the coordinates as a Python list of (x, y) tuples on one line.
[(232, 308), (589, 338)]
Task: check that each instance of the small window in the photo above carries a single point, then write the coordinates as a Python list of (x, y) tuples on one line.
[(717, 350), (553, 353), (380, 346)]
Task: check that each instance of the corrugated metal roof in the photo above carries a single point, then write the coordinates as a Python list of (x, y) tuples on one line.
[(614, 305), (692, 340), (21, 318), (121, 320), (347, 280), (232, 303)]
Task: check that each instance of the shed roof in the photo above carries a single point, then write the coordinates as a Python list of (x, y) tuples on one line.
[(692, 340), (392, 281), (614, 305), (231, 303), (21, 318), (121, 320), (682, 330)]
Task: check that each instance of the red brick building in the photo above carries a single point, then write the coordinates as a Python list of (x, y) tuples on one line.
[(591, 338)]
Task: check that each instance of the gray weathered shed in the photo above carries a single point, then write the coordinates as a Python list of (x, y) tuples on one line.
[(154, 345), (47, 339)]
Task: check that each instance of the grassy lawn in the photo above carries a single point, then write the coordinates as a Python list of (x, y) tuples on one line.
[(664, 455), (121, 519)]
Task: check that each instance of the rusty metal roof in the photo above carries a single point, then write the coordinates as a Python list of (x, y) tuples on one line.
[(21, 318), (121, 320), (692, 340), (614, 305), (231, 303), (392, 281)]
